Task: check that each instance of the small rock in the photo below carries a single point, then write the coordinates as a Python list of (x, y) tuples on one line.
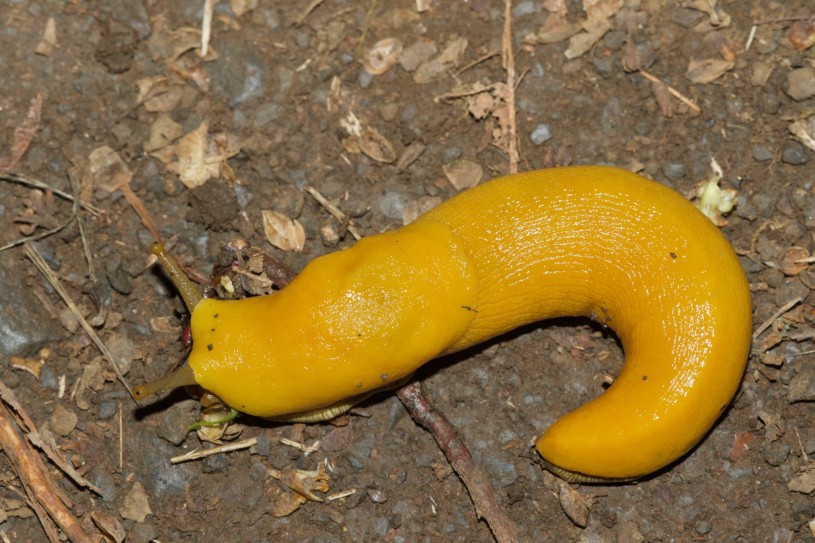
[(63, 420), (761, 153), (801, 83), (541, 134), (776, 453), (802, 386), (794, 153), (674, 170)]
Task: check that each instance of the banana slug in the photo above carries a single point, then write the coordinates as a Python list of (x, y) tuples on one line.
[(591, 241)]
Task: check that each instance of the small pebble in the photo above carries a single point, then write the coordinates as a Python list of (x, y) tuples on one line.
[(377, 496), (703, 527), (794, 153), (540, 134), (801, 83), (761, 153), (674, 170)]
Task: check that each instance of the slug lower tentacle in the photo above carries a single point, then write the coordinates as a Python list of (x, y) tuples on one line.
[(589, 241)]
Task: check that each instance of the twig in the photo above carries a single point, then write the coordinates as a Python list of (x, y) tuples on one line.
[(472, 475), (766, 324), (40, 236), (462, 94), (206, 26), (42, 493), (49, 448), (229, 447), (38, 261), (784, 20), (306, 12), (17, 178), (333, 210), (478, 61), (86, 246), (676, 94), (509, 66)]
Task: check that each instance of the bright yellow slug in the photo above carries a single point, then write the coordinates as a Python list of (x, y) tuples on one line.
[(597, 242)]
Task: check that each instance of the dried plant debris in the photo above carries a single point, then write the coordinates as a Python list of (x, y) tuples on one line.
[(801, 34), (284, 233), (382, 56), (300, 487), (804, 131), (712, 200)]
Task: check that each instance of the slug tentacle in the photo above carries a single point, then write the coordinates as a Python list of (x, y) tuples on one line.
[(188, 290), (589, 241), (183, 376)]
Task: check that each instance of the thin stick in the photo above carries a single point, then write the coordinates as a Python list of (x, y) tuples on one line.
[(766, 324), (783, 20), (39, 487), (306, 12), (676, 94), (39, 261), (206, 26), (86, 246), (509, 66), (196, 454), (472, 475), (333, 210), (38, 237), (17, 178), (476, 62)]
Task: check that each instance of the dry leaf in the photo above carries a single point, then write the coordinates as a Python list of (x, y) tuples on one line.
[(283, 503), (376, 146), (136, 507), (282, 232), (554, 30), (163, 131), (158, 95), (463, 174), (108, 170), (708, 70), (109, 525), (199, 157), (305, 483), (574, 505), (580, 44), (794, 261)]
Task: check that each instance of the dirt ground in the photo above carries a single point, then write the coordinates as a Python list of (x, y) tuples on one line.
[(291, 96)]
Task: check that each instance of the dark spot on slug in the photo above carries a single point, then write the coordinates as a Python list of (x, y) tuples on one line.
[(722, 408), (468, 308), (673, 255), (209, 346), (644, 377), (215, 316)]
